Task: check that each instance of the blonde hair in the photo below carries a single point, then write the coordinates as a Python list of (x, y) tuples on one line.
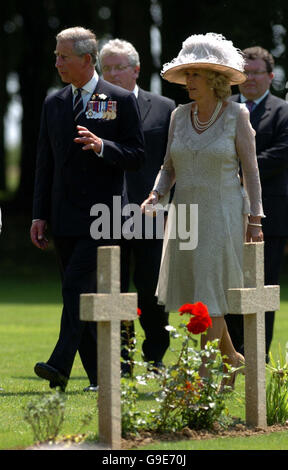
[(219, 83)]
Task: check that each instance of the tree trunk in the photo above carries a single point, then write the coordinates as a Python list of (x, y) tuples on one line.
[(36, 74), (132, 22)]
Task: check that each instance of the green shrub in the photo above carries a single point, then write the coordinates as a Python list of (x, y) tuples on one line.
[(46, 416), (277, 390), (183, 398)]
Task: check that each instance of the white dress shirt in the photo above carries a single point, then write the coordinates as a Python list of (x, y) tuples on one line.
[(86, 91), (243, 99)]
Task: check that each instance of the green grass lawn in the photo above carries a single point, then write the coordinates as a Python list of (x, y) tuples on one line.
[(29, 325), (30, 311)]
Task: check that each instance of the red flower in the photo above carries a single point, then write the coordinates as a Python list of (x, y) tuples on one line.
[(188, 385), (196, 309), (139, 312), (197, 325), (200, 319)]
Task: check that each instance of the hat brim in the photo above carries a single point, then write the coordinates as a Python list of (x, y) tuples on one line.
[(177, 73)]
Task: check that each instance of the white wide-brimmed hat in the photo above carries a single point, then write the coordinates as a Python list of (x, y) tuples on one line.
[(209, 51)]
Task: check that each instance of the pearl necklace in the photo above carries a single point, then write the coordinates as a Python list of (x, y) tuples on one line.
[(202, 126)]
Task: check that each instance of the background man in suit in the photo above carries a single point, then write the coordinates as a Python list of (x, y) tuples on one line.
[(120, 65), (269, 118), (87, 139)]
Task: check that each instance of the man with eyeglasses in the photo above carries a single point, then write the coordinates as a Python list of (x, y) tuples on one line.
[(120, 65), (269, 118)]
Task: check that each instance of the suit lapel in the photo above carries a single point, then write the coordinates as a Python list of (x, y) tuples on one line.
[(261, 112), (65, 102), (144, 104), (100, 88), (65, 116)]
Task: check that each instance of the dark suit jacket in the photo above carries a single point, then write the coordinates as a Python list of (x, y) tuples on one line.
[(155, 111), (270, 121), (69, 180)]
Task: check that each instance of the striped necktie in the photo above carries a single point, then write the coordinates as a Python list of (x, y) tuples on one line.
[(250, 105), (78, 104)]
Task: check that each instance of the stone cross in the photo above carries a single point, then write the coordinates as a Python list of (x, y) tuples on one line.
[(109, 307), (253, 301)]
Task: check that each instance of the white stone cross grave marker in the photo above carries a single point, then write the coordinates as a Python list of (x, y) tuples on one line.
[(253, 301), (109, 307)]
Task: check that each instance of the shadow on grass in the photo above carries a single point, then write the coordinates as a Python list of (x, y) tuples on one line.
[(284, 285), (37, 378), (28, 275), (41, 393), (23, 266), (13, 291), (17, 253)]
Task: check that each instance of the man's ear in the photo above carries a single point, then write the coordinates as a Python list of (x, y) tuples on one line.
[(271, 75), (136, 71), (87, 59)]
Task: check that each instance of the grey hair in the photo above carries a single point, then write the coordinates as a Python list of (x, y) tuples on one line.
[(119, 46), (220, 84), (84, 41)]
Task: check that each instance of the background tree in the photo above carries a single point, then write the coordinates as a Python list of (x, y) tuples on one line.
[(6, 60), (132, 21), (245, 23), (27, 42), (37, 73)]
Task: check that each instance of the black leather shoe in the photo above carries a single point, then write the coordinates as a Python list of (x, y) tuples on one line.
[(47, 372), (156, 367), (91, 388)]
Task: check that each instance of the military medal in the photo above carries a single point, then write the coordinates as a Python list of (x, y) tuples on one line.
[(113, 109), (101, 108)]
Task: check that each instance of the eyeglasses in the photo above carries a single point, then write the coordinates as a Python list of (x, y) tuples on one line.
[(257, 73), (117, 68)]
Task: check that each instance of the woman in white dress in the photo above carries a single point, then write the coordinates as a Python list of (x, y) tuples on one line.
[(209, 138)]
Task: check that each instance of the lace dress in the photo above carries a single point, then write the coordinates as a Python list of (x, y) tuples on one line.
[(205, 168)]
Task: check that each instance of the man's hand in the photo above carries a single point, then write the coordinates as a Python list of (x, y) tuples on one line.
[(37, 233), (90, 140)]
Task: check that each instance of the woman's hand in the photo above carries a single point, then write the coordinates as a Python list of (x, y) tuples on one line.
[(254, 230), (90, 140), (147, 205)]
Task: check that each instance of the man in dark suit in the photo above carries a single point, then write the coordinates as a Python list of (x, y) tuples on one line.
[(90, 134), (120, 65), (269, 118)]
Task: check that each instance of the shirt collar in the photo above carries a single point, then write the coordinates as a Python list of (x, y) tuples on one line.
[(243, 99), (90, 86), (136, 91)]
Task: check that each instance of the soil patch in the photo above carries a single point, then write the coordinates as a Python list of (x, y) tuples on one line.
[(78, 442), (235, 430)]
